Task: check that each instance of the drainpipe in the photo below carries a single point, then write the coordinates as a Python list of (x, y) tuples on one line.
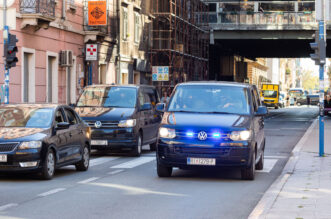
[(63, 9), (118, 76)]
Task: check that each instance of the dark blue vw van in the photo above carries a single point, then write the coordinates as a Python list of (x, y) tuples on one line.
[(212, 124)]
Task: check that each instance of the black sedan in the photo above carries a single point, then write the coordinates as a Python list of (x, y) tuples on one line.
[(40, 138)]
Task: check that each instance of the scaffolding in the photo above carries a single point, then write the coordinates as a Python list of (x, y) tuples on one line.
[(180, 39)]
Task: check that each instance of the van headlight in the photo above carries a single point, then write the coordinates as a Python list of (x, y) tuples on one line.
[(240, 135), (127, 123), (167, 133), (30, 145)]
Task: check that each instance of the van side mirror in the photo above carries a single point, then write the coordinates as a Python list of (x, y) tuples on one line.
[(146, 106), (262, 111), (62, 125), (160, 107)]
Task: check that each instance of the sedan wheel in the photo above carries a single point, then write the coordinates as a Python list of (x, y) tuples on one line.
[(48, 169), (84, 163)]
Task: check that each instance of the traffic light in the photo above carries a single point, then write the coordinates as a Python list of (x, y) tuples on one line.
[(319, 46), (10, 50)]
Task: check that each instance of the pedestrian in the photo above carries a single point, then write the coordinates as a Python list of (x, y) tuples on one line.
[(165, 97)]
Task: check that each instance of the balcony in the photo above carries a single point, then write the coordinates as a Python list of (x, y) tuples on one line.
[(37, 13)]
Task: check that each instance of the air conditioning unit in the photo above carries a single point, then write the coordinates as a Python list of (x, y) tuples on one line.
[(66, 58)]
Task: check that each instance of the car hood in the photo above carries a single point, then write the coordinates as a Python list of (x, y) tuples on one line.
[(208, 121), (22, 134), (104, 113)]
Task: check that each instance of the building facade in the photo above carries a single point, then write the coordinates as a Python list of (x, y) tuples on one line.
[(53, 36)]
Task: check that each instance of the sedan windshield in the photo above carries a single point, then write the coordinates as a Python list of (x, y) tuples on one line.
[(210, 99), (121, 97), (26, 117)]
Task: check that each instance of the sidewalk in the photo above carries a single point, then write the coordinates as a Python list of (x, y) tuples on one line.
[(303, 190)]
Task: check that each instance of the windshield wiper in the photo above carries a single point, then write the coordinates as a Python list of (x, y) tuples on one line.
[(182, 111), (217, 112)]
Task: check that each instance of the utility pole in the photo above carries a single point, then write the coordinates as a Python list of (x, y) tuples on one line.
[(319, 57), (5, 43)]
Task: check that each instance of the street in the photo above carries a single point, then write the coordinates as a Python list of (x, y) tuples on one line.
[(118, 186)]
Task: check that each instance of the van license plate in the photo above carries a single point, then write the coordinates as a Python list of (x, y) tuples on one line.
[(3, 157), (201, 161), (99, 142)]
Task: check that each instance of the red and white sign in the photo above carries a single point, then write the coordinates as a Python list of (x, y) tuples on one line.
[(91, 52)]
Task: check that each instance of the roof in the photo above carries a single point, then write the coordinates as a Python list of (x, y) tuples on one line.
[(223, 83), (119, 85), (31, 105)]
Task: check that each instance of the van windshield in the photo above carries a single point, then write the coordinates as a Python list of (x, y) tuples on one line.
[(121, 97), (210, 99), (270, 93)]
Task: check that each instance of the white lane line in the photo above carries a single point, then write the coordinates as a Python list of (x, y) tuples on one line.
[(115, 172), (274, 157), (89, 180), (134, 163), (268, 165), (5, 207), (101, 160), (51, 192)]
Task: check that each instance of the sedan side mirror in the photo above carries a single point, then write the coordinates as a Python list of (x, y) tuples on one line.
[(62, 125), (262, 111), (146, 106), (160, 107)]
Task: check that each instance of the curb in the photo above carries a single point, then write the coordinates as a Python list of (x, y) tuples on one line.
[(269, 197)]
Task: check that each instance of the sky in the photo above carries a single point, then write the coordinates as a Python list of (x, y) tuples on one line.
[(309, 64)]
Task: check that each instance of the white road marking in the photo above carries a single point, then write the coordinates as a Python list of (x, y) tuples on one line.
[(274, 157), (268, 165), (101, 160), (51, 192), (134, 163), (5, 207), (89, 180), (115, 172)]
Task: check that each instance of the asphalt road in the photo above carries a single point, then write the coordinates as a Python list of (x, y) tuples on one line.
[(126, 187)]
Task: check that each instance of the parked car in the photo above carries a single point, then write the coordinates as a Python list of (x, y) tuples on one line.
[(122, 117), (41, 138), (212, 124), (311, 99)]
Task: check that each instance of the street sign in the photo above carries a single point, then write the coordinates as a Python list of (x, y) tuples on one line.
[(160, 73), (91, 52), (11, 18), (97, 13)]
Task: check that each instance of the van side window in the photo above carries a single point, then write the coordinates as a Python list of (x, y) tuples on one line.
[(59, 116), (141, 98), (255, 105), (71, 117), (152, 96), (257, 97)]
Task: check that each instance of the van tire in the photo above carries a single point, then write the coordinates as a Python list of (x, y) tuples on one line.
[(248, 173), (136, 151)]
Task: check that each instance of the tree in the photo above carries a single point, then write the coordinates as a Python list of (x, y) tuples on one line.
[(309, 82)]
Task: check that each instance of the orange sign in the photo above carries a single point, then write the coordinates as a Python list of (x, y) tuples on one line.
[(97, 13)]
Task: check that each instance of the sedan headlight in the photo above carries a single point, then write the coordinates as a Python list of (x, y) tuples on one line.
[(240, 135), (127, 123), (167, 133), (30, 145)]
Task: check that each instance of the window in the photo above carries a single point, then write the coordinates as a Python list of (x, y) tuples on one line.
[(125, 23), (71, 117), (141, 98), (137, 27), (254, 102), (51, 62), (28, 76), (212, 7), (59, 116)]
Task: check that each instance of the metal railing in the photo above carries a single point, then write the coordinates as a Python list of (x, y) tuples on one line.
[(43, 7), (290, 19)]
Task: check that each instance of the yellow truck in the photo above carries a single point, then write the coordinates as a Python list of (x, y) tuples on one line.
[(270, 95)]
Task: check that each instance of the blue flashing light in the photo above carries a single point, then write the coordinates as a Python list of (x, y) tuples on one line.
[(189, 134), (216, 135)]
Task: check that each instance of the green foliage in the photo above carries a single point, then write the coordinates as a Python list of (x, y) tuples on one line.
[(309, 82)]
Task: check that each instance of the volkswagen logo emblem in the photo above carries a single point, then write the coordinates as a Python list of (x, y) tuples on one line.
[(97, 124), (202, 136)]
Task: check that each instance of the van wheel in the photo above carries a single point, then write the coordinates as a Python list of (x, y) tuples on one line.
[(84, 163), (152, 146), (136, 151), (163, 171), (260, 164), (48, 169), (248, 173)]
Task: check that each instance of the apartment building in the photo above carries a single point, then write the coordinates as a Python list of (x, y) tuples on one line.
[(53, 35)]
